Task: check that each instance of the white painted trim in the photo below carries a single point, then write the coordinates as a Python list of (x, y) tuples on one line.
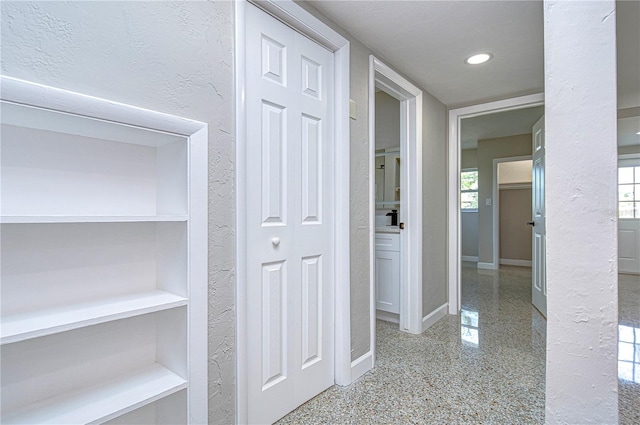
[(496, 204), (242, 378), (472, 258), (50, 98), (387, 317), (510, 262), (454, 245), (198, 279), (307, 24), (483, 266), (431, 319), (361, 365), (40, 96), (410, 98)]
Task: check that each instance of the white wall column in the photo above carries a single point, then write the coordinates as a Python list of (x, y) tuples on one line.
[(580, 100)]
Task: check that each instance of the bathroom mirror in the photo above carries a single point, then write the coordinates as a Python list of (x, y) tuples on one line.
[(387, 178)]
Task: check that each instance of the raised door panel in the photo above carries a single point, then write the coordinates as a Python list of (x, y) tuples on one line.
[(629, 246)]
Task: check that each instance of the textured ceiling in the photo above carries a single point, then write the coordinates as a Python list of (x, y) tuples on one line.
[(429, 40)]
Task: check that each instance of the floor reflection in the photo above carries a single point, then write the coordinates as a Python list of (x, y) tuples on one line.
[(469, 327), (629, 353)]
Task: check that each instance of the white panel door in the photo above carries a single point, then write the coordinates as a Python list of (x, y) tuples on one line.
[(290, 224), (539, 265), (629, 245)]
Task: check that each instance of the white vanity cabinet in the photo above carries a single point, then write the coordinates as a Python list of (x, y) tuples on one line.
[(388, 271)]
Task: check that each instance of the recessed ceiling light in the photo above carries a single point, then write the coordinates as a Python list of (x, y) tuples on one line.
[(638, 133), (478, 59)]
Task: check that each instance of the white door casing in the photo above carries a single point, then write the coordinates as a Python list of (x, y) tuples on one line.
[(410, 97), (538, 216), (454, 244), (290, 228)]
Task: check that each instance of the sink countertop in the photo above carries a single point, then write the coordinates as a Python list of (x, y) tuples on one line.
[(387, 229)]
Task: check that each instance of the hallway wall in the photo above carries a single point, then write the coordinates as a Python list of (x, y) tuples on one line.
[(488, 150), (154, 55), (177, 58)]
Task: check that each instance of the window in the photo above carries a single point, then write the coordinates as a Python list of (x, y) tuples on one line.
[(629, 192), (469, 190)]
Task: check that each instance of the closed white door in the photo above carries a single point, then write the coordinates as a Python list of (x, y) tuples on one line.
[(539, 239), (290, 218), (629, 215)]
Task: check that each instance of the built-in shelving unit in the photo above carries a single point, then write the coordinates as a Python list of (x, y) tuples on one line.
[(103, 261)]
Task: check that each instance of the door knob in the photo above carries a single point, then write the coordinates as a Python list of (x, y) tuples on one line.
[(275, 241), (531, 223)]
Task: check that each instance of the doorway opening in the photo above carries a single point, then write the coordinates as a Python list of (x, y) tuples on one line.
[(465, 129), (399, 172)]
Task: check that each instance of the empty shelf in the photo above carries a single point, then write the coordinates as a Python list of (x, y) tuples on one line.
[(35, 324), (103, 402), (35, 219)]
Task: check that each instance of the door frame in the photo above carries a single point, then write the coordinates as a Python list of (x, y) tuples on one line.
[(454, 243), (304, 22), (410, 98), (496, 206)]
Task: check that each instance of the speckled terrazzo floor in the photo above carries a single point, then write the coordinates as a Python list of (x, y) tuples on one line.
[(484, 366)]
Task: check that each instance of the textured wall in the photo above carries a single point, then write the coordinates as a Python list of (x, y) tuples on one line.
[(387, 121), (488, 150), (582, 269), (173, 57), (434, 203)]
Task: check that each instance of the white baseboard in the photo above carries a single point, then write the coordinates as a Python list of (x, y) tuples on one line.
[(510, 262), (472, 258), (388, 317), (431, 318), (486, 266), (361, 365)]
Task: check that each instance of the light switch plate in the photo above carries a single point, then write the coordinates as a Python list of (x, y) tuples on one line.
[(487, 202), (352, 109)]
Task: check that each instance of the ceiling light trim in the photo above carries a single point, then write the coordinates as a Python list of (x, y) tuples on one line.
[(479, 58)]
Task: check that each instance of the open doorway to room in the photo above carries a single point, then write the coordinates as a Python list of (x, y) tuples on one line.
[(388, 163), (495, 213), (395, 131)]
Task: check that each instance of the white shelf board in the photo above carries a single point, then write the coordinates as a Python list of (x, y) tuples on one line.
[(102, 402), (20, 327), (35, 219)]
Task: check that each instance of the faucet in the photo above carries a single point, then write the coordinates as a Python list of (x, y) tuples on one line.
[(394, 217)]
